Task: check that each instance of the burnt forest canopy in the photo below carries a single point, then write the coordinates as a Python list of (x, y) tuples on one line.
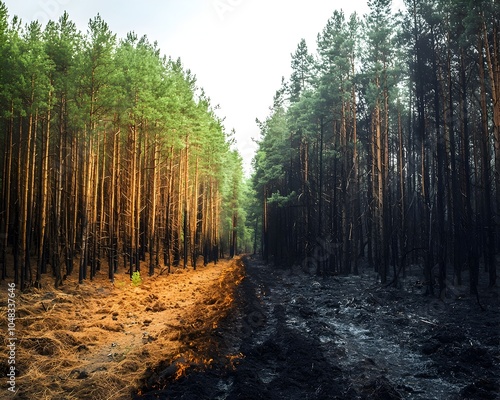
[(383, 147)]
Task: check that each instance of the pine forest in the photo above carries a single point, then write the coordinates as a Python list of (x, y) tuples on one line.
[(111, 155), (384, 144), (357, 260)]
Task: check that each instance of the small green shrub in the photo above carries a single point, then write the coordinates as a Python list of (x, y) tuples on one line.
[(136, 278)]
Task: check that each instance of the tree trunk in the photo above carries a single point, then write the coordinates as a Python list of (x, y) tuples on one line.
[(44, 197)]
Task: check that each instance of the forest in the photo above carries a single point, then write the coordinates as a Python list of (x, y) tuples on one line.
[(111, 154), (383, 146), (358, 261)]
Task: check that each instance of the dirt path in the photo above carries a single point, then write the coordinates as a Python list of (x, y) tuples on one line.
[(98, 340), (303, 337)]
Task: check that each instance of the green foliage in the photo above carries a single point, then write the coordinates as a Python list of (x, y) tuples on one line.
[(308, 158), (282, 201), (302, 71), (100, 105), (136, 278)]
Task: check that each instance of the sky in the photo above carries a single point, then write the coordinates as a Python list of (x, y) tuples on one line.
[(239, 50)]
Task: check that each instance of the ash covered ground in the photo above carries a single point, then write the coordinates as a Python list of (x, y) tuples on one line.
[(293, 335)]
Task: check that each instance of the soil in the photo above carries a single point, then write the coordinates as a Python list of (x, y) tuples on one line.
[(246, 330), (292, 335)]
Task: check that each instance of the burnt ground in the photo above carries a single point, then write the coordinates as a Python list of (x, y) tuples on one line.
[(293, 335)]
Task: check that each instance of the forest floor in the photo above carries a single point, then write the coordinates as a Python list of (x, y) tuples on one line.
[(98, 340), (245, 330), (296, 336)]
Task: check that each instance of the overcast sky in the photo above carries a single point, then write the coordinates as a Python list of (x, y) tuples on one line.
[(238, 49)]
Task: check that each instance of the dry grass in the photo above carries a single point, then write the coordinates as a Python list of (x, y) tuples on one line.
[(96, 340)]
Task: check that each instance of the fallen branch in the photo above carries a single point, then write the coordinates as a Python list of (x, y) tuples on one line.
[(428, 322)]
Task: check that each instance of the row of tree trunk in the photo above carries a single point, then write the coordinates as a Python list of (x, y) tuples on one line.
[(391, 154), (109, 157)]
